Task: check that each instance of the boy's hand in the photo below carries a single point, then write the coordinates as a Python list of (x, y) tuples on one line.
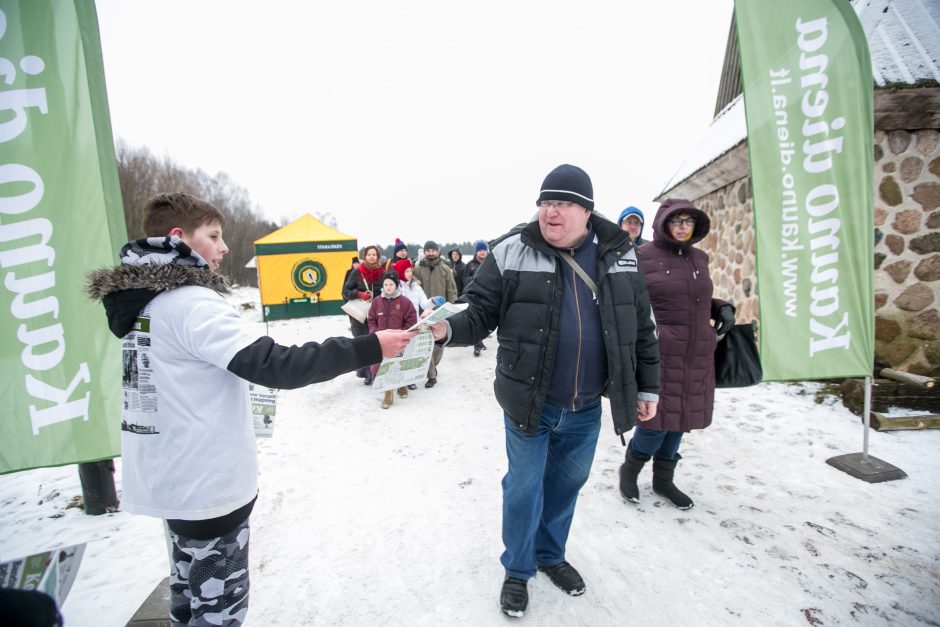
[(394, 341)]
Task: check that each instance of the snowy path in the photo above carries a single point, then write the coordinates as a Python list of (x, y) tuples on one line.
[(392, 517)]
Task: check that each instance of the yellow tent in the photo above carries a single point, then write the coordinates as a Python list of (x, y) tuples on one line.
[(301, 268)]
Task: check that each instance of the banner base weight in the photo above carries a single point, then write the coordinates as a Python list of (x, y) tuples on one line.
[(869, 469)]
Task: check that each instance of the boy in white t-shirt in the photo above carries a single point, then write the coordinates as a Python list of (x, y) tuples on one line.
[(187, 438)]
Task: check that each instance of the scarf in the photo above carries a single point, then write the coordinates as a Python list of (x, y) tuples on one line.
[(158, 251), (371, 275), (391, 296)]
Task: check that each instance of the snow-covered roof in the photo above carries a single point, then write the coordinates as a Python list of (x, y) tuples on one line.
[(726, 131), (904, 42)]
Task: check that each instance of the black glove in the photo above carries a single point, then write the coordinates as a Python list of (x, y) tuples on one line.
[(725, 319)]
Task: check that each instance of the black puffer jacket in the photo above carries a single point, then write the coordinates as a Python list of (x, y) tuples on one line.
[(519, 289)]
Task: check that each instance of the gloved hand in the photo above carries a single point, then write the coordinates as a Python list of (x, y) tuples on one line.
[(365, 295), (725, 319), (437, 301)]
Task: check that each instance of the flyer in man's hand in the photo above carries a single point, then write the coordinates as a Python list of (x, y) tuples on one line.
[(443, 312)]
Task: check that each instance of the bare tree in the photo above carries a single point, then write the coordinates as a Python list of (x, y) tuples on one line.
[(141, 175)]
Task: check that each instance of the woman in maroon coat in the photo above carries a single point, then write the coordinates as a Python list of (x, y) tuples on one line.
[(390, 310), (681, 296)]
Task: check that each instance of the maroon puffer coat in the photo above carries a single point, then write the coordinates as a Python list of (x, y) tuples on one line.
[(681, 295), (391, 313)]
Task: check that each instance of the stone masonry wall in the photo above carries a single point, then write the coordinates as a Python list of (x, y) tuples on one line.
[(907, 249), (730, 244)]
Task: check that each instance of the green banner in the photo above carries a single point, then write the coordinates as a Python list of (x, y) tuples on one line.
[(807, 80), (60, 216)]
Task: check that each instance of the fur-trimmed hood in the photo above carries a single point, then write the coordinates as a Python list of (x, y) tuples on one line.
[(125, 290)]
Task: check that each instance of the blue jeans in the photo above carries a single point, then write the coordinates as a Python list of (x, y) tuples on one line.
[(647, 443), (540, 489)]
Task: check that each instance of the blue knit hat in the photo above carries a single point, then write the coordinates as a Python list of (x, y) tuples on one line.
[(568, 182), (631, 211), (481, 245), (399, 245)]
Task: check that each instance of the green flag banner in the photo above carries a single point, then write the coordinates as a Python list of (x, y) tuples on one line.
[(807, 80), (60, 216)]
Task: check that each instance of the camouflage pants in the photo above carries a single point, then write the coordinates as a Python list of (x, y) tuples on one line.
[(209, 579)]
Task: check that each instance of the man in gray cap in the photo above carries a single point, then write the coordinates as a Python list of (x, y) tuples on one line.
[(437, 280), (573, 321)]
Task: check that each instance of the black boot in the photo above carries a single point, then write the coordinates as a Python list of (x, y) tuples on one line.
[(514, 597), (663, 471), (629, 471)]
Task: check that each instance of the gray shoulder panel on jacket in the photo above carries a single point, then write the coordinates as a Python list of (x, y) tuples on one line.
[(512, 254)]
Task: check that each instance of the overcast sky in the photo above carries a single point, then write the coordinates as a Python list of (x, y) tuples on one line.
[(417, 119)]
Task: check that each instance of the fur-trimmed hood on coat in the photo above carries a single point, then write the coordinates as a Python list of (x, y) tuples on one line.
[(125, 290)]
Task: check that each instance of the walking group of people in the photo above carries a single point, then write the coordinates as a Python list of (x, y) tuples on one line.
[(400, 289), (581, 310)]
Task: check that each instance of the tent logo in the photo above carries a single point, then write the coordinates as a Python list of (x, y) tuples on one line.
[(308, 276)]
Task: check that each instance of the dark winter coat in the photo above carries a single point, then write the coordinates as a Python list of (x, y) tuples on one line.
[(519, 289), (470, 271), (680, 290), (391, 313), (362, 280), (458, 267)]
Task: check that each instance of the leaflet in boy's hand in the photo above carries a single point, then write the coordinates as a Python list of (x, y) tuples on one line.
[(409, 367), (443, 312)]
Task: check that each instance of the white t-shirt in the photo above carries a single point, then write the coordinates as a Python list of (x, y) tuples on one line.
[(187, 437)]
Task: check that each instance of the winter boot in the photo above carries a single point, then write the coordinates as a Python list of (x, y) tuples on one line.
[(629, 471), (403, 392), (514, 597), (663, 471), (388, 400)]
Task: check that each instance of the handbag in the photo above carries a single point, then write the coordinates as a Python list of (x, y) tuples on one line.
[(357, 308), (737, 362)]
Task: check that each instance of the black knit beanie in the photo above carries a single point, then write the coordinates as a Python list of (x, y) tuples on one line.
[(568, 182)]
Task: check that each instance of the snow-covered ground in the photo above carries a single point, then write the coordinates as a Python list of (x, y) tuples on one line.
[(392, 517)]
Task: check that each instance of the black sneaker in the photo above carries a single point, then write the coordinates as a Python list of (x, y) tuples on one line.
[(565, 577), (412, 386), (430, 382), (514, 597), (476, 352)]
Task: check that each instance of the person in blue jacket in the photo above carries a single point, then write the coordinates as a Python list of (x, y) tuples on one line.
[(631, 220)]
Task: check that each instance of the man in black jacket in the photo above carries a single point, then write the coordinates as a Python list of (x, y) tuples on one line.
[(567, 334)]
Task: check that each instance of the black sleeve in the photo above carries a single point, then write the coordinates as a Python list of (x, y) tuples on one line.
[(351, 286), (484, 295), (288, 367)]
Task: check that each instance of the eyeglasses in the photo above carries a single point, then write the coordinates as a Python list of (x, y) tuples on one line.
[(554, 204), (681, 221)]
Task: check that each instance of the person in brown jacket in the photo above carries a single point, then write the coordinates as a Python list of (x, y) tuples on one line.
[(681, 296)]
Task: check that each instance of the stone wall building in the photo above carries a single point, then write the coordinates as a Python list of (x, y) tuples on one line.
[(716, 177)]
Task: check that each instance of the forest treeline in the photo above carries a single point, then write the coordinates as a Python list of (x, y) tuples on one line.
[(142, 175)]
